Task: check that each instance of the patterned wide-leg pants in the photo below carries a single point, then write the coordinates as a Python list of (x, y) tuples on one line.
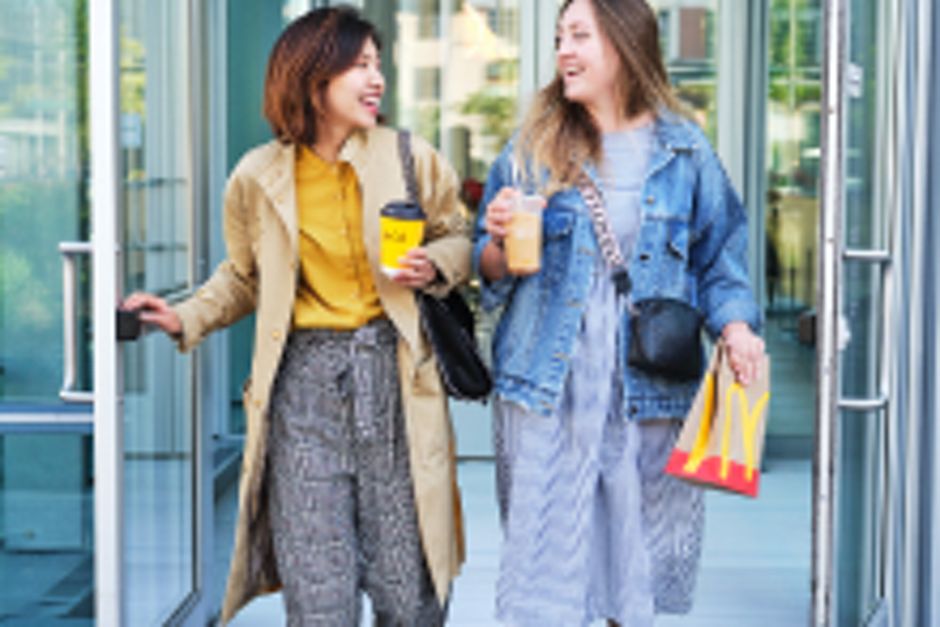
[(339, 483)]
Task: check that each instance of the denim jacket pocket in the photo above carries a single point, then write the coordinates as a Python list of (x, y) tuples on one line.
[(557, 227), (678, 242)]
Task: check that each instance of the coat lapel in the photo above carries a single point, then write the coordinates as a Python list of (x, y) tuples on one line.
[(277, 181), (380, 181)]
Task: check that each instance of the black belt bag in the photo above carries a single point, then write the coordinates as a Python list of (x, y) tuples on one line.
[(665, 338), (665, 333)]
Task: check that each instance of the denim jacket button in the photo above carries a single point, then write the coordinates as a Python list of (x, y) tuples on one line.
[(634, 410), (650, 200)]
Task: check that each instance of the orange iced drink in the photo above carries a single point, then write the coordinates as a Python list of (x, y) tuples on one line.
[(524, 240)]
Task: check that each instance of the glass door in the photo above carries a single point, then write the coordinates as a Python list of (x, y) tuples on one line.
[(862, 468), (147, 454), (46, 505), (857, 444)]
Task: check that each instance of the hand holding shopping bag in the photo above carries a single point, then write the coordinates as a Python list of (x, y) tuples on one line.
[(722, 441)]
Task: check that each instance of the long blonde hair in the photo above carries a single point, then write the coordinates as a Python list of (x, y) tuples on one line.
[(559, 134)]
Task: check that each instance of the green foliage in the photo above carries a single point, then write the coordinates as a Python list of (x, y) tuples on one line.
[(133, 76), (428, 124), (498, 113)]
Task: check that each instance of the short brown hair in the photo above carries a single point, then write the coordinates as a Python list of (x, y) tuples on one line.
[(311, 51)]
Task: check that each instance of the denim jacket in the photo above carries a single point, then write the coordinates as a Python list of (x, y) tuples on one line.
[(692, 245)]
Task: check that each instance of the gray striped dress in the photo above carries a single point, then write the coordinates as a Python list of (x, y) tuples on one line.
[(592, 527)]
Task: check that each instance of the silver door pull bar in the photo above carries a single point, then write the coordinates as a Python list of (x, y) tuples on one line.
[(863, 404), (68, 393)]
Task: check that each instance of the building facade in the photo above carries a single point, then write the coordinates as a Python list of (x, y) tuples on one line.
[(120, 120)]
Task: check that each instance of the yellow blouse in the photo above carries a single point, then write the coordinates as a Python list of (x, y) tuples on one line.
[(335, 288)]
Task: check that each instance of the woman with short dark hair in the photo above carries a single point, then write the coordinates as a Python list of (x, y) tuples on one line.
[(348, 480)]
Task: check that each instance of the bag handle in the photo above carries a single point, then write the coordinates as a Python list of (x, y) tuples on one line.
[(408, 165), (606, 239)]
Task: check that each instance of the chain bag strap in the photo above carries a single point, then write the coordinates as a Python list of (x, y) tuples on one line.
[(447, 322), (606, 239), (665, 333)]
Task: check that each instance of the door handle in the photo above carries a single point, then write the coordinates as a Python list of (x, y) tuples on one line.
[(70, 251), (128, 325)]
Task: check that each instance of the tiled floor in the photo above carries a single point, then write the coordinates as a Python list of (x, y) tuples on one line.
[(755, 566)]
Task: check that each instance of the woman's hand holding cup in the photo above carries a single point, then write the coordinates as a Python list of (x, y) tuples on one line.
[(416, 269), (514, 222), (499, 215)]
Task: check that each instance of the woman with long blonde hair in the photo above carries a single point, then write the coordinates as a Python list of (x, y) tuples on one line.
[(593, 528)]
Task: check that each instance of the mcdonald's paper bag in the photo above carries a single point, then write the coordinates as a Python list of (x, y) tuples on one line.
[(722, 440)]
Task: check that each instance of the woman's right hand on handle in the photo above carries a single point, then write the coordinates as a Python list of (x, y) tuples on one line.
[(154, 310)]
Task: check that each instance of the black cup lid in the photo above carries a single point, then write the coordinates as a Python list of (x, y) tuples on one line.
[(403, 210)]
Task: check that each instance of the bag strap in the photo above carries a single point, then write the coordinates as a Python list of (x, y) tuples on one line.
[(408, 165), (606, 239)]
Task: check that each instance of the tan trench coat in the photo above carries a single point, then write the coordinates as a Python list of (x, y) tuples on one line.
[(260, 274)]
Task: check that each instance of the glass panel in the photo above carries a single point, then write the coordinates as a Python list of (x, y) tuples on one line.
[(860, 512), (862, 464), (47, 529), (43, 190), (689, 39), (791, 215), (159, 450)]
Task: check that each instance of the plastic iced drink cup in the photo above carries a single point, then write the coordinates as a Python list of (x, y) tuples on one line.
[(524, 240), (402, 228)]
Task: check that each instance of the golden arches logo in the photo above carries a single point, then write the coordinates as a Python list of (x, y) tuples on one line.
[(697, 455), (750, 417)]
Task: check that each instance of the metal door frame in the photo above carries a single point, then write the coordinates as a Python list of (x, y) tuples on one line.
[(106, 182)]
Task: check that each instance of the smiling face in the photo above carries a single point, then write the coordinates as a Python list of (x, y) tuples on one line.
[(351, 99), (586, 61)]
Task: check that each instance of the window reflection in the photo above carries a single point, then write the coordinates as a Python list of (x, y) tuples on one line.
[(43, 192), (688, 36), (795, 57), (469, 110)]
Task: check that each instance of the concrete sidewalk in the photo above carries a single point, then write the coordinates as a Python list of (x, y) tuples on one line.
[(755, 570)]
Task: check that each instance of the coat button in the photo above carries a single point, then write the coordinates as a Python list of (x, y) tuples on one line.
[(276, 335), (634, 410), (257, 403)]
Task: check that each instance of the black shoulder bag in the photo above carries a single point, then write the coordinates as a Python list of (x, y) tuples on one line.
[(665, 333), (447, 322)]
